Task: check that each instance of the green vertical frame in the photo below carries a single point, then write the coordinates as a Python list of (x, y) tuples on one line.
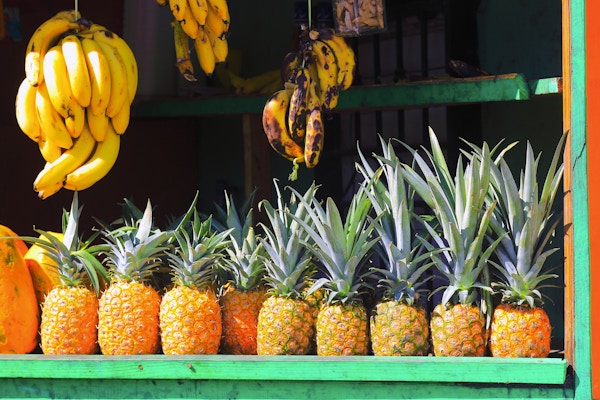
[(579, 170)]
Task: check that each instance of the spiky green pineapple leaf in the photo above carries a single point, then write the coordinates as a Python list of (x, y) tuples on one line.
[(341, 247)]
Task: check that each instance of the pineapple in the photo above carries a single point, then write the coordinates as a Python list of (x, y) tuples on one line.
[(243, 293), (343, 249), (525, 223), (129, 308), (190, 315), (399, 324), (70, 310), (285, 322), (459, 321)]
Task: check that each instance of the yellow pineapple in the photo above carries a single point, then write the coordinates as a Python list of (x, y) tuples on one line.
[(399, 329), (462, 215), (285, 321), (399, 323), (128, 321), (243, 293), (343, 248), (315, 300), (525, 223), (70, 310), (240, 309), (190, 315), (458, 330)]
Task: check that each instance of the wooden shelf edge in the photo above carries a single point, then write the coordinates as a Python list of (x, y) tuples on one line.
[(547, 371), (431, 92)]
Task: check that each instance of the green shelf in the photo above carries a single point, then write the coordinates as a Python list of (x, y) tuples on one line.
[(432, 92), (228, 376)]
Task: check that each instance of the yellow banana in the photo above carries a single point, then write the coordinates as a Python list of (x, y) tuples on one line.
[(57, 83), (218, 26), (315, 132), (272, 87), (182, 52), (199, 9), (49, 190), (50, 120), (126, 54), (275, 126), (345, 56), (298, 110), (120, 121), (178, 8), (204, 52), (221, 9), (256, 83), (75, 120), (119, 95), (56, 80), (189, 24), (327, 68), (98, 124), (79, 78), (99, 75), (49, 150), (54, 173), (25, 110), (44, 37), (93, 29), (97, 167), (162, 3), (219, 46), (289, 66)]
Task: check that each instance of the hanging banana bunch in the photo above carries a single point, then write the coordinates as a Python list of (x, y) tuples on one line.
[(206, 23), (74, 102), (313, 76)]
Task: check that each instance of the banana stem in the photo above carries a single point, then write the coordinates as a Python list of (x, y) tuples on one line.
[(309, 14), (294, 174)]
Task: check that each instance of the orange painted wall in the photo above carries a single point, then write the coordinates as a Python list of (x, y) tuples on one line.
[(593, 142)]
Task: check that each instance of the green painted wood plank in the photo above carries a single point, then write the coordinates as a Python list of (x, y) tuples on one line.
[(539, 87), (437, 92), (579, 166), (232, 389), (270, 368), (433, 92)]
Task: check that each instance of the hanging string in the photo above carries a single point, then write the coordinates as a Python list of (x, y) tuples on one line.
[(309, 14)]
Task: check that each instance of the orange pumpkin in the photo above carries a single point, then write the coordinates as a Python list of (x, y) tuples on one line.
[(19, 310), (42, 268)]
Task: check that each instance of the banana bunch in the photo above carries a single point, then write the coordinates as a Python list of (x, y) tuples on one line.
[(206, 22), (313, 78), (264, 83), (75, 100)]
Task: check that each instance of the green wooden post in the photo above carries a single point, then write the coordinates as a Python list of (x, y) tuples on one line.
[(581, 274)]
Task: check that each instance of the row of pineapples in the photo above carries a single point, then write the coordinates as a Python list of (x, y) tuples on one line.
[(316, 280)]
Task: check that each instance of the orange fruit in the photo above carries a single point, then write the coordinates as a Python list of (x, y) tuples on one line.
[(19, 243), (19, 314)]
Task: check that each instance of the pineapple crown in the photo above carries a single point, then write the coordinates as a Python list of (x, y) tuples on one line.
[(242, 263), (135, 248), (462, 217), (194, 254), (343, 247), (525, 224), (401, 251), (230, 217), (75, 258), (288, 261)]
